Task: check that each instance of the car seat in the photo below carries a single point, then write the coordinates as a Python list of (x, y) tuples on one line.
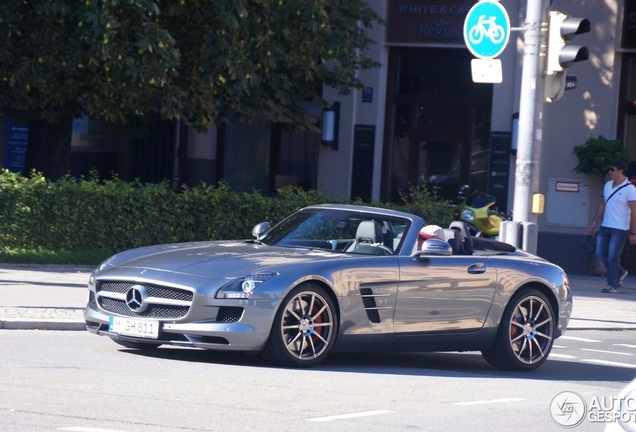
[(468, 239), (455, 239)]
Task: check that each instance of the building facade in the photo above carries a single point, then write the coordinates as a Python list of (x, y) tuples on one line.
[(429, 119)]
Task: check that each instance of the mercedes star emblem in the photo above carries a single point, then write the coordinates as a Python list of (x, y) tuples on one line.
[(135, 298)]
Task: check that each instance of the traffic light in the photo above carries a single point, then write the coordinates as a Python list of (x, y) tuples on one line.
[(561, 55), (561, 30)]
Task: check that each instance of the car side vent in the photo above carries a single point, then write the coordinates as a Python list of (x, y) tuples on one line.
[(370, 306)]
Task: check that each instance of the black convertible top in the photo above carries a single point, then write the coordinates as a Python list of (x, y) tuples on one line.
[(484, 246)]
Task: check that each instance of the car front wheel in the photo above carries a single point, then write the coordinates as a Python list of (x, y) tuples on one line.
[(305, 328), (526, 333)]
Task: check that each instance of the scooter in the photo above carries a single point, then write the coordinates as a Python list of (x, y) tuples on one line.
[(478, 212)]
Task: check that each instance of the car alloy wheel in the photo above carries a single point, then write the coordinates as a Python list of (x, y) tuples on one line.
[(526, 333), (304, 330), (531, 330)]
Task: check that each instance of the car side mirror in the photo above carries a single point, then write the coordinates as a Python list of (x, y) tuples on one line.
[(260, 229), (435, 247)]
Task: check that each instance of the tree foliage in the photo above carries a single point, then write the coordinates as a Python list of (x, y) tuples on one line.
[(188, 60), (191, 61)]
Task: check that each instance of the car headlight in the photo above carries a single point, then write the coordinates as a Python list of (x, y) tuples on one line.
[(468, 215), (91, 281), (242, 288)]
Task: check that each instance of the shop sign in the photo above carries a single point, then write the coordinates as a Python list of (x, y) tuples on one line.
[(427, 21), (629, 25)]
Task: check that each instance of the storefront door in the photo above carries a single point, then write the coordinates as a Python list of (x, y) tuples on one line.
[(438, 123)]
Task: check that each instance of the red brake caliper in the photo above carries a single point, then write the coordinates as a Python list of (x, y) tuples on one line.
[(514, 330), (318, 330)]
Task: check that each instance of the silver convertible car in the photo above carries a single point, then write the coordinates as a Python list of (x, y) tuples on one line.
[(335, 277)]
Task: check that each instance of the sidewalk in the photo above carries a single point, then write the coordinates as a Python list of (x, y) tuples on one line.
[(50, 297)]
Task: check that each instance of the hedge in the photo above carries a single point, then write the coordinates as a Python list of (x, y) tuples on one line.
[(88, 214)]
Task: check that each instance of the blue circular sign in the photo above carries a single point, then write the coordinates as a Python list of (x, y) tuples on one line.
[(487, 29)]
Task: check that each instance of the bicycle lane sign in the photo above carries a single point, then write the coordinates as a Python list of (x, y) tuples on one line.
[(487, 29)]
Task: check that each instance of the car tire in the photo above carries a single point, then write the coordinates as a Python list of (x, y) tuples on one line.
[(136, 345), (305, 328), (526, 333)]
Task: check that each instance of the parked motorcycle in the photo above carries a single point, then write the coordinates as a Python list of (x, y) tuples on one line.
[(478, 211)]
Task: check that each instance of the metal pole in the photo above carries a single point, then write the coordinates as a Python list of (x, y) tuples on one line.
[(530, 113), (175, 155)]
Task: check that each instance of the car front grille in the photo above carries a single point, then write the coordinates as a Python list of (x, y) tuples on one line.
[(153, 290), (154, 311), (163, 302)]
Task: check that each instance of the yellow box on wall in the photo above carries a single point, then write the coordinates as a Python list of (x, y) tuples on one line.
[(538, 203)]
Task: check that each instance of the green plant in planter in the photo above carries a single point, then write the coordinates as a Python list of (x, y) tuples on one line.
[(596, 155)]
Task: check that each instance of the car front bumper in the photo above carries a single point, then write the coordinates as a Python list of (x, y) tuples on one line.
[(248, 333)]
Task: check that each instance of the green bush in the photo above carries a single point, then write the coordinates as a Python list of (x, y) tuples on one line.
[(87, 214), (596, 155)]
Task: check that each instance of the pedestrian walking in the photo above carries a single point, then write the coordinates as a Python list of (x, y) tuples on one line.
[(616, 221)]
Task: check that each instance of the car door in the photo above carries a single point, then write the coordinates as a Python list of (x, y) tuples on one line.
[(444, 293)]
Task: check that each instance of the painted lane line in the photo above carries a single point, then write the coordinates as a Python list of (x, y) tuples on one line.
[(491, 401), (607, 352), (610, 363), (349, 416), (626, 345), (563, 356), (558, 346), (579, 339)]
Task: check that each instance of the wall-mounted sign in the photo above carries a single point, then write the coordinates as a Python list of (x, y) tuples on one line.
[(15, 145), (367, 95), (498, 182), (427, 21), (566, 186)]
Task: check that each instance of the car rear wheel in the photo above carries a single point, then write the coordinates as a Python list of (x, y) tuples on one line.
[(136, 345), (526, 333), (305, 328)]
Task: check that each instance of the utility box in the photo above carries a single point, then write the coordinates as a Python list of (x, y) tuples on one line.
[(567, 203)]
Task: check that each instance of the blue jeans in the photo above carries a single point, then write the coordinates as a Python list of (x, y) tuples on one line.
[(609, 246)]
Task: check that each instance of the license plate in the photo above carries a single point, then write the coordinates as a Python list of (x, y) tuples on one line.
[(131, 327)]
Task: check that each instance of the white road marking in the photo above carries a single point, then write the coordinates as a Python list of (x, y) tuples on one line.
[(579, 339), (610, 363), (607, 352), (491, 401), (89, 429), (626, 345), (349, 416), (558, 346), (564, 356)]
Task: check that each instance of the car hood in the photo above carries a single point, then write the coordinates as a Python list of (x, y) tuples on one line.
[(217, 259)]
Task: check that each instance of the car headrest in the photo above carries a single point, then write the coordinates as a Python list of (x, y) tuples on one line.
[(369, 232)]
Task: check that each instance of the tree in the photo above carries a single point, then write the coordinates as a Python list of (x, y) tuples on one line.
[(190, 61)]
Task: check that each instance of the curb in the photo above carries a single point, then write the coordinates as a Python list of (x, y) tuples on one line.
[(42, 325), (41, 318)]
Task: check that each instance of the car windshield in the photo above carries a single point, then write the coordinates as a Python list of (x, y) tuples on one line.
[(339, 230)]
